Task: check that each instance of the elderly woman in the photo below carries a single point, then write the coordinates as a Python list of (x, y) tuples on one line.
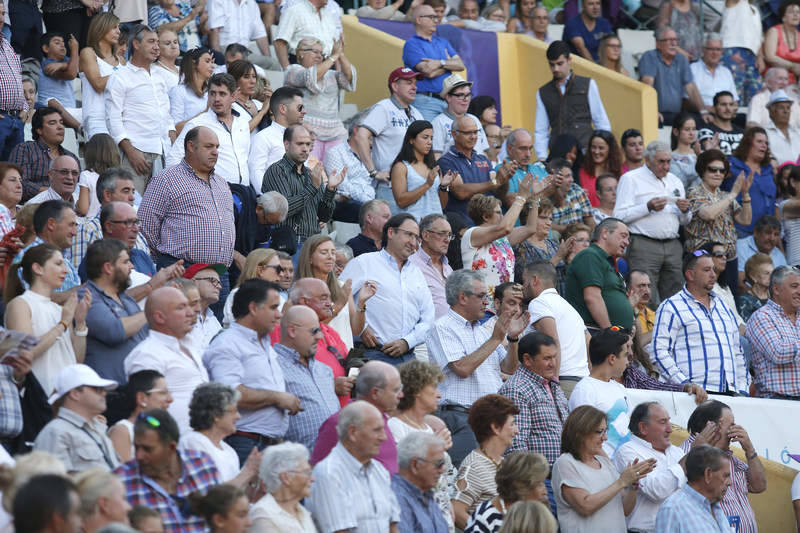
[(539, 246), (752, 157), (757, 272), (587, 486), (714, 211), (520, 478), (321, 79), (166, 68), (491, 418), (286, 477), (212, 415), (225, 508), (527, 516), (102, 499), (261, 263)]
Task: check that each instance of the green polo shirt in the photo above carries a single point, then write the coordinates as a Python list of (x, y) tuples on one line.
[(593, 267)]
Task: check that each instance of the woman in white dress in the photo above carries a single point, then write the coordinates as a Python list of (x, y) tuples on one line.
[(188, 98), (61, 330), (97, 62), (165, 67)]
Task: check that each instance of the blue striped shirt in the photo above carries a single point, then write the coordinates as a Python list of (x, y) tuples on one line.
[(688, 511), (692, 343)]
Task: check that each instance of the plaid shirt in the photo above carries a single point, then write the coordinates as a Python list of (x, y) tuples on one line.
[(10, 407), (776, 351), (188, 218), (198, 473), (636, 378), (33, 157), (72, 279), (90, 231), (576, 206), (541, 414), (11, 96)]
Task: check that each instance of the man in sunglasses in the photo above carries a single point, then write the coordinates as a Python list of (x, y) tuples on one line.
[(207, 278), (456, 91), (64, 173)]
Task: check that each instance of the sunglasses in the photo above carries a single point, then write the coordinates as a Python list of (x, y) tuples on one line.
[(150, 420), (700, 253), (278, 269)]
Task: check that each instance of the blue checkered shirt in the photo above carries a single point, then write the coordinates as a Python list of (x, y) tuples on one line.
[(688, 511), (313, 384), (72, 279), (10, 408), (90, 231), (776, 350)]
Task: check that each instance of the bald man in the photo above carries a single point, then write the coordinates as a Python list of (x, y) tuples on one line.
[(330, 349), (63, 175), (168, 350), (305, 377)]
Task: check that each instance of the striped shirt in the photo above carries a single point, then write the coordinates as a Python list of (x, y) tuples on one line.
[(11, 96), (775, 341), (735, 504), (308, 205), (688, 511), (692, 343), (475, 480), (90, 231), (452, 338), (187, 217), (485, 519)]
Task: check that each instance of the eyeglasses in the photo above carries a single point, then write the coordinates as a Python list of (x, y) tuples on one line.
[(442, 234), (461, 95), (153, 391), (128, 223), (713, 48), (313, 331), (67, 172), (306, 472), (151, 420), (480, 295), (432, 17), (312, 50), (718, 254), (214, 281), (410, 234), (716, 170), (438, 465), (278, 269), (603, 431)]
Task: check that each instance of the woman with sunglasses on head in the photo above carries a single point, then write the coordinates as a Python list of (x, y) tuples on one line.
[(715, 212), (261, 263)]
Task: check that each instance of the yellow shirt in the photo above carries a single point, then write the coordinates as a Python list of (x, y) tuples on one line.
[(646, 320)]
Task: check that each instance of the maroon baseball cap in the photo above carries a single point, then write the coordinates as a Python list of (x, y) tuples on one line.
[(190, 272), (405, 73)]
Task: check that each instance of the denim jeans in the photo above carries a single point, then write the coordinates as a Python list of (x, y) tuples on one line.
[(12, 133), (429, 106)]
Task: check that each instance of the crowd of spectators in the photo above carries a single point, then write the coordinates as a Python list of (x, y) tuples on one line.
[(191, 346)]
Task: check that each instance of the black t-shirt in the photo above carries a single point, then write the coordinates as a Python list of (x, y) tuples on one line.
[(361, 245), (728, 139)]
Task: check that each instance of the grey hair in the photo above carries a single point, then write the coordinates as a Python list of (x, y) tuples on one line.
[(511, 140), (713, 36), (274, 202), (662, 30), (460, 281), (654, 147), (308, 41), (210, 401), (344, 250), (779, 275), (298, 290), (93, 484), (367, 208), (701, 457), (351, 415), (772, 72), (370, 377), (28, 78), (356, 120), (415, 445), (137, 34), (427, 221), (278, 459), (609, 224)]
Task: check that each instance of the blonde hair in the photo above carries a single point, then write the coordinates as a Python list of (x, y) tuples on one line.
[(101, 24), (519, 473), (93, 484), (529, 517), (27, 466), (255, 259), (756, 261)]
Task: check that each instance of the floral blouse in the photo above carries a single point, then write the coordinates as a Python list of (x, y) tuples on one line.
[(526, 253), (721, 229), (495, 260)]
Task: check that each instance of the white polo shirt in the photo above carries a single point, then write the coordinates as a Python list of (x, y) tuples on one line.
[(388, 123), (570, 327), (237, 21)]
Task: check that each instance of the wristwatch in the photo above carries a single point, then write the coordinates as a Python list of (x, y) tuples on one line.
[(442, 62), (494, 180), (372, 173)]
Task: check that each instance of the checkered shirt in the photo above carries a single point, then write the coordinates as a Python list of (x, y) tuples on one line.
[(776, 350), (10, 407), (33, 157), (11, 96), (90, 231), (576, 206)]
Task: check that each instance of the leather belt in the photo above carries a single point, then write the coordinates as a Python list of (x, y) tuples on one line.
[(11, 112), (266, 439)]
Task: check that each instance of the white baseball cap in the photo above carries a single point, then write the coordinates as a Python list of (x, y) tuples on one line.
[(74, 376)]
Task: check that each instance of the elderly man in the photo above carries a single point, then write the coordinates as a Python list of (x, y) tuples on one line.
[(305, 18), (633, 149), (669, 74), (470, 356), (553, 316), (774, 335), (371, 218), (697, 508), (76, 436), (434, 57), (351, 469), (357, 187), (709, 76), (431, 258), (168, 350), (232, 21), (745, 477), (724, 111), (568, 103), (310, 197), (63, 174), (242, 358), (776, 78), (457, 92), (420, 457), (266, 148), (594, 287), (162, 475), (401, 312), (582, 31), (472, 167), (571, 204), (232, 129), (33, 157), (784, 138), (137, 110), (386, 123), (379, 384), (638, 287), (519, 147), (696, 338), (765, 238), (307, 379), (652, 202)]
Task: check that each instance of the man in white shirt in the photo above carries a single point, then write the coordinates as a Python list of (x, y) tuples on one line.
[(286, 106), (709, 76), (305, 18), (456, 91), (471, 356), (652, 202), (168, 350), (608, 351), (650, 428), (784, 139), (233, 132), (776, 78), (553, 315), (64, 173), (239, 21), (207, 278), (137, 110)]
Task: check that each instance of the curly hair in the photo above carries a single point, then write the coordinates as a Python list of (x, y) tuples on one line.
[(614, 160), (519, 473), (746, 143), (209, 402), (416, 375), (545, 207), (480, 206), (489, 411)]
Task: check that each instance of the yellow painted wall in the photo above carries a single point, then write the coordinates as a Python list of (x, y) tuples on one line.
[(773, 508)]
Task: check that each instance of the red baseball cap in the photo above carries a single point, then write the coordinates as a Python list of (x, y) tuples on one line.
[(197, 267), (405, 73)]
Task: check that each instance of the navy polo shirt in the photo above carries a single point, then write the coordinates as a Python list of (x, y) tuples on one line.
[(474, 169), (418, 48)]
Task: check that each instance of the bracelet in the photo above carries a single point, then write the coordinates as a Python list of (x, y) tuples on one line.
[(509, 338), (372, 173), (14, 380), (751, 457), (361, 309), (82, 333), (442, 188), (66, 326)]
